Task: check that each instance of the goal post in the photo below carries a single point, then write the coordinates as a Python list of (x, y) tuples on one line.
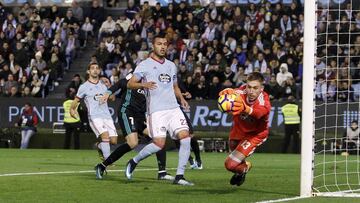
[(330, 157), (307, 127)]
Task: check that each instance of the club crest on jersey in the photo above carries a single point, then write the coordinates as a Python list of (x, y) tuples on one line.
[(97, 97), (164, 78)]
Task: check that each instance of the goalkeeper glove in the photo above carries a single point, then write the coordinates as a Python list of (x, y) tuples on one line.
[(227, 91), (240, 106)]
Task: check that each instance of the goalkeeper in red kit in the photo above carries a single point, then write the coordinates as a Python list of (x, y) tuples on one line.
[(250, 125)]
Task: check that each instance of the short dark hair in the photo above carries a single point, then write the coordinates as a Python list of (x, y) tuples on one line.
[(91, 65), (160, 35), (255, 76)]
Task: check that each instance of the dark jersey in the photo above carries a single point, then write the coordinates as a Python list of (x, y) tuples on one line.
[(131, 101)]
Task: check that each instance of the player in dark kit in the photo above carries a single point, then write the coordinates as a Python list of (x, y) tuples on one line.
[(132, 122)]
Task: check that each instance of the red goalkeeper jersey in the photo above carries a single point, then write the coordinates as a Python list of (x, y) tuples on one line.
[(255, 123)]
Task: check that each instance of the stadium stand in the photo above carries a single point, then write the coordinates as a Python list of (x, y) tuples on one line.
[(39, 45), (214, 47)]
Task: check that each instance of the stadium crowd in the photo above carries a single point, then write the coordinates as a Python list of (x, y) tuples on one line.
[(338, 62), (213, 47), (38, 44)]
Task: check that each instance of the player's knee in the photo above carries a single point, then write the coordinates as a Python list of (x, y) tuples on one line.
[(159, 142), (132, 140), (105, 137), (183, 134), (132, 143), (113, 140), (230, 164)]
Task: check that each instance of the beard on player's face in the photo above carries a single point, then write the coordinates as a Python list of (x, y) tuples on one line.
[(94, 74), (160, 51)]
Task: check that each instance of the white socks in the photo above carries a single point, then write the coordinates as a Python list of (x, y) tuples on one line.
[(184, 153), (146, 151)]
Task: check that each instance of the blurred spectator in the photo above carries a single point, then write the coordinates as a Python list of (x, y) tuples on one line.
[(345, 92), (36, 86), (70, 50), (21, 56), (288, 89), (273, 88), (55, 67), (321, 90), (214, 88), (10, 83), (73, 86), (131, 10), (199, 89), (283, 75), (88, 30), (46, 82), (77, 11), (107, 27), (350, 140), (27, 122)]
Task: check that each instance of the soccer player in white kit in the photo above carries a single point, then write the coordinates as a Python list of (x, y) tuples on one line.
[(158, 77), (100, 119)]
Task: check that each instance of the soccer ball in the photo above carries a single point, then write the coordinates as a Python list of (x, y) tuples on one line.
[(226, 102)]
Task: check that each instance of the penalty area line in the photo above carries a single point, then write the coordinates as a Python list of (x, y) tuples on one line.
[(283, 199), (71, 172)]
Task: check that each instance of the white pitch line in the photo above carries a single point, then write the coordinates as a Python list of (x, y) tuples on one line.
[(72, 172), (283, 200)]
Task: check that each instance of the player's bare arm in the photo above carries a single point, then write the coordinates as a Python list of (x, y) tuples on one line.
[(134, 84), (73, 107)]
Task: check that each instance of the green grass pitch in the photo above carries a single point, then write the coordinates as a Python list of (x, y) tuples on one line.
[(273, 176)]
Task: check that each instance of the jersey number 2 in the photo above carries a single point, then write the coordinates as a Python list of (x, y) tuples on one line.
[(183, 121)]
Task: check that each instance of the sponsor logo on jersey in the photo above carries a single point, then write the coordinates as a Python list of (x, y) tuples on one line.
[(164, 78), (97, 97)]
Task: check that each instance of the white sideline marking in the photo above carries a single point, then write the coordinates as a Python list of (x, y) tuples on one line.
[(72, 172), (283, 200)]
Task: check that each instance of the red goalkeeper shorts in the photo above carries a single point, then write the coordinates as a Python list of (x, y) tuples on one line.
[(247, 145)]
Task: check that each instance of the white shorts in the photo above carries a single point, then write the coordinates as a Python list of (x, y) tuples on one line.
[(101, 125), (161, 122)]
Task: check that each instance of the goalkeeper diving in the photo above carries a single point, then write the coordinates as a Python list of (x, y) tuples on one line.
[(250, 125)]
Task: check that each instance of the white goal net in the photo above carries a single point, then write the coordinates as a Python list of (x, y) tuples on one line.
[(336, 160)]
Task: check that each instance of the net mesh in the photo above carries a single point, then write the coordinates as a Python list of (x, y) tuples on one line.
[(337, 74)]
